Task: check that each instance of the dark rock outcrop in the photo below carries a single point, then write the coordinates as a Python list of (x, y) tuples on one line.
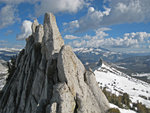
[(49, 78)]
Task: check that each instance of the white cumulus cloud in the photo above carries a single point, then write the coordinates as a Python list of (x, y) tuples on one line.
[(26, 30), (116, 12), (91, 20), (55, 6)]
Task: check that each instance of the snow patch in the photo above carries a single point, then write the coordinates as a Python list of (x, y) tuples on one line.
[(122, 110)]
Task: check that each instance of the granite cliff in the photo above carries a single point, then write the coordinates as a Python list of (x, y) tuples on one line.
[(49, 78)]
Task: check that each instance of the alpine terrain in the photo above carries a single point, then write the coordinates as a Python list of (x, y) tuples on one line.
[(120, 87), (49, 78)]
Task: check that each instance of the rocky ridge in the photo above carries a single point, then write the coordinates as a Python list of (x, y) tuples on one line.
[(49, 78)]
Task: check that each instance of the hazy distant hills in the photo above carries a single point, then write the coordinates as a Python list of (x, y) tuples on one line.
[(132, 63), (6, 53), (92, 55), (137, 63)]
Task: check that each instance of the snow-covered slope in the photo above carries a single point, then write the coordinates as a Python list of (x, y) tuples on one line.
[(117, 82)]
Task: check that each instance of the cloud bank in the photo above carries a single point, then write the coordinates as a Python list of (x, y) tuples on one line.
[(137, 40)]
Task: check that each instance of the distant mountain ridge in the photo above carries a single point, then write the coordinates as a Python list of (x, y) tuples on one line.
[(137, 63), (92, 55), (6, 53), (132, 62)]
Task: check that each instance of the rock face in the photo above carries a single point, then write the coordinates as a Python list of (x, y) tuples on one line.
[(49, 78)]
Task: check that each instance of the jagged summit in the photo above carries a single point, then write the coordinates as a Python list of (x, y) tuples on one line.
[(49, 78), (48, 35)]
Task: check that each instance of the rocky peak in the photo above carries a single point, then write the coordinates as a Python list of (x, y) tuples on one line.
[(49, 78), (52, 39), (34, 25)]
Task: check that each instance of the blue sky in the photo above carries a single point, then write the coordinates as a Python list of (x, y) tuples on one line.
[(118, 25)]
